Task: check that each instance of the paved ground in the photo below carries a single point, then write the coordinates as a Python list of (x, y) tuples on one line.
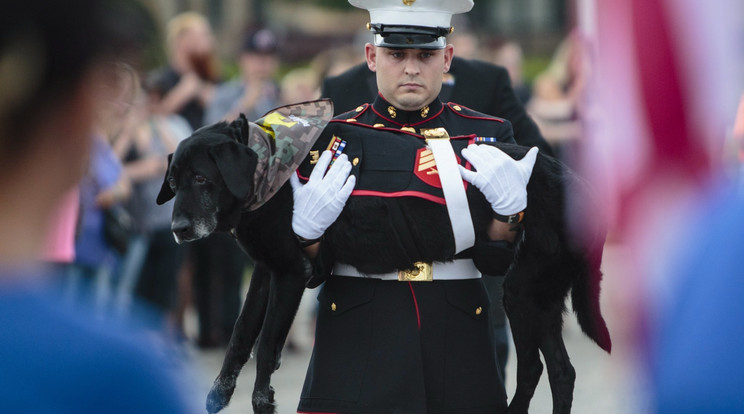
[(607, 384)]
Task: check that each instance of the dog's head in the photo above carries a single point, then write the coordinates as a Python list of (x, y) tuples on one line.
[(210, 175)]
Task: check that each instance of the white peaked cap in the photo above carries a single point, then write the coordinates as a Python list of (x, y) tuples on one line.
[(425, 13)]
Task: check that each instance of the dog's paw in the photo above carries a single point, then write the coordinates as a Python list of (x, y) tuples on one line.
[(220, 394), (263, 401)]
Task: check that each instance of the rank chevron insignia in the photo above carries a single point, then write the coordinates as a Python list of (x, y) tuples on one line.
[(426, 168), (427, 163)]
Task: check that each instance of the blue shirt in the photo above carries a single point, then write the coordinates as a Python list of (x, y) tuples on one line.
[(55, 357), (697, 362)]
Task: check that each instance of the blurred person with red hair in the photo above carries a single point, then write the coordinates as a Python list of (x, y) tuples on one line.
[(192, 70)]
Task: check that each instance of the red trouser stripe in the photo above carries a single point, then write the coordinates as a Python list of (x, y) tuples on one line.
[(415, 303)]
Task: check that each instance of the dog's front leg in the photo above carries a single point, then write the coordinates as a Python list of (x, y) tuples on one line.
[(243, 338), (284, 299)]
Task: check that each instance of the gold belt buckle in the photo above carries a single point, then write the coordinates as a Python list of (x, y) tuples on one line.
[(421, 272)]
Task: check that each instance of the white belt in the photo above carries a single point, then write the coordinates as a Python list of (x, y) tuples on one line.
[(458, 269)]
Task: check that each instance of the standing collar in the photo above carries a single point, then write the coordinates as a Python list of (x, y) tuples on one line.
[(396, 116)]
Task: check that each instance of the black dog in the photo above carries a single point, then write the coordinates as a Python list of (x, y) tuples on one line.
[(221, 185), (210, 177)]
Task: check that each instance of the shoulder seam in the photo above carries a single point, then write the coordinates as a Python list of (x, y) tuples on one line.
[(473, 115)]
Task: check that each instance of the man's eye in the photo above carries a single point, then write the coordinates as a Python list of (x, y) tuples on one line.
[(172, 183), (426, 55), (200, 179)]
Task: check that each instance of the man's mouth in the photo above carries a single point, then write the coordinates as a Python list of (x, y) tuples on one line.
[(410, 85)]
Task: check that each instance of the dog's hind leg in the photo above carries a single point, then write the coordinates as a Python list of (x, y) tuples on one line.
[(284, 299), (526, 336), (244, 335), (561, 373)]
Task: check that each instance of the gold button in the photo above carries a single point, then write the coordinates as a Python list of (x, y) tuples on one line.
[(478, 310), (351, 120), (359, 108), (457, 108), (378, 125), (355, 161), (333, 307), (409, 129)]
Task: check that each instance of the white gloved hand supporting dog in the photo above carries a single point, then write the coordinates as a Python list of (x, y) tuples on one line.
[(502, 179), (318, 203)]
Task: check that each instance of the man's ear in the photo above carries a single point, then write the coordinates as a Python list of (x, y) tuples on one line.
[(166, 193), (370, 52), (449, 53), (236, 164)]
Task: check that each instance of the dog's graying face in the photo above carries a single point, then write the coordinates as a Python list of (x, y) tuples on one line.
[(210, 176)]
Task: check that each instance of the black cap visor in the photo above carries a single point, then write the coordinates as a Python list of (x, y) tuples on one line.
[(411, 37)]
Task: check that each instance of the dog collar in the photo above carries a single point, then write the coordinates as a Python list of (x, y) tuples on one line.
[(282, 139)]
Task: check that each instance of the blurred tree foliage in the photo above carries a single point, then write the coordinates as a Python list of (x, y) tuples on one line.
[(330, 4)]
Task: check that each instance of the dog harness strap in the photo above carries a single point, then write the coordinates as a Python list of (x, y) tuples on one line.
[(452, 187), (454, 270)]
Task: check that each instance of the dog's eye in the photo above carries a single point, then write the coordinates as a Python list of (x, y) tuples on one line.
[(172, 183), (200, 179)]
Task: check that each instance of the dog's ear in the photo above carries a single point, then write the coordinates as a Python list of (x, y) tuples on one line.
[(236, 164), (166, 193), (239, 128)]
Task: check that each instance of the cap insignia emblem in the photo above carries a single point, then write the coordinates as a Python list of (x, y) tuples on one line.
[(409, 2)]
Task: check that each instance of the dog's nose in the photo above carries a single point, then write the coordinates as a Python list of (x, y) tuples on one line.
[(180, 226)]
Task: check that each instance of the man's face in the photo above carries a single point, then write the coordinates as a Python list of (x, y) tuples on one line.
[(409, 78), (258, 66)]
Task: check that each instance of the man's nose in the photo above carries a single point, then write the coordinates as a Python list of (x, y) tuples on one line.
[(411, 67)]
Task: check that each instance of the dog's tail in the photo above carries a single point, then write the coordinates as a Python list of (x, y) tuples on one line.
[(585, 302), (589, 231)]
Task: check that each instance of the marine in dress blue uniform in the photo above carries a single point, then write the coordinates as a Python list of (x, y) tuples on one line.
[(403, 323)]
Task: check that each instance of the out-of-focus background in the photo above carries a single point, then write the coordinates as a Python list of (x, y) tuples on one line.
[(312, 27), (639, 96)]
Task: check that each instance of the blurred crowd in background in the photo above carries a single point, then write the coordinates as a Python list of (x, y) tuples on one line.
[(191, 80)]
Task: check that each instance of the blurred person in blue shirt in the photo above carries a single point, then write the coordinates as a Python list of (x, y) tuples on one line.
[(255, 92), (55, 356), (695, 357)]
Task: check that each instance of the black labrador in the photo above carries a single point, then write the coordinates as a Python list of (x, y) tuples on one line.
[(210, 176)]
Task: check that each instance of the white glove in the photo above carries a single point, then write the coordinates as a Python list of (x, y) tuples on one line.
[(499, 177), (318, 203)]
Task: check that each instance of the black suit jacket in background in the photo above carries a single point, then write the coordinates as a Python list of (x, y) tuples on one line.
[(478, 85)]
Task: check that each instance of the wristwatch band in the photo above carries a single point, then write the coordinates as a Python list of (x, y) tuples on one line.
[(512, 219), (306, 242)]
